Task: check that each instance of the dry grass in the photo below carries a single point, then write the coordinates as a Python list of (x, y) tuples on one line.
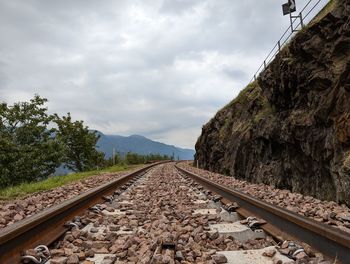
[(325, 10)]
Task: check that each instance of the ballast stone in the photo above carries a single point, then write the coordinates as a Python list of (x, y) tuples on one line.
[(103, 258), (238, 231), (255, 256), (205, 212), (229, 217)]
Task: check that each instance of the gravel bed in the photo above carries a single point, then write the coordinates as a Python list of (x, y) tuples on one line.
[(12, 211), (151, 222), (328, 212)]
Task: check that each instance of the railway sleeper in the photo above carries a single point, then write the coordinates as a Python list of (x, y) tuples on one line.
[(164, 217)]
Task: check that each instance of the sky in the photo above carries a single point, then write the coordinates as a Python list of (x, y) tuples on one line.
[(157, 68)]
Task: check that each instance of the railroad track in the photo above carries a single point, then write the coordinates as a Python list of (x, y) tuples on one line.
[(48, 225), (165, 214), (333, 242)]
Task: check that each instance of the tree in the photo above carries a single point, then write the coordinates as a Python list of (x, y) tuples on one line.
[(134, 158), (80, 144), (29, 150)]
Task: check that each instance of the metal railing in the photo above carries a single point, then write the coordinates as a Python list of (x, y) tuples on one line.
[(299, 20)]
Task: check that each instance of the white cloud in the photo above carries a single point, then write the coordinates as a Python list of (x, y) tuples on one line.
[(158, 68)]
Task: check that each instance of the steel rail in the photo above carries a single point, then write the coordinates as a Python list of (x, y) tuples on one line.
[(332, 242), (47, 226)]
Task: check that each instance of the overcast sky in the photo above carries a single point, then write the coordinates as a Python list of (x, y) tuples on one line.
[(158, 68)]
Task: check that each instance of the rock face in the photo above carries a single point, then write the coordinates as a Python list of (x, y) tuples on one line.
[(291, 128)]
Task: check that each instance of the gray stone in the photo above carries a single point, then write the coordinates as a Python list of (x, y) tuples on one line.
[(219, 258)]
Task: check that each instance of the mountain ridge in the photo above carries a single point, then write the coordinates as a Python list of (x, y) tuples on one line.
[(141, 145)]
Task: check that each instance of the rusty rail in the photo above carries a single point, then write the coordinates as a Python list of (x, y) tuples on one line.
[(47, 226), (332, 242)]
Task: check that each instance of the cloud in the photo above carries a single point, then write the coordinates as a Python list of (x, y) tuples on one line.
[(158, 68)]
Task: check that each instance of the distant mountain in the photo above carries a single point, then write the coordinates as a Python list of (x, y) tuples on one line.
[(136, 144), (140, 145)]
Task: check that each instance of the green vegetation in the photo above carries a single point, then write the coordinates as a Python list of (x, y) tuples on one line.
[(347, 160), (252, 93), (248, 93), (28, 149), (134, 158), (33, 144), (131, 160), (247, 109), (225, 127), (31, 148), (80, 144), (54, 182), (265, 109), (251, 106)]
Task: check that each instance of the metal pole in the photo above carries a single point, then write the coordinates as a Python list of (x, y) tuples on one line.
[(265, 64), (291, 22), (301, 20), (113, 157), (279, 46)]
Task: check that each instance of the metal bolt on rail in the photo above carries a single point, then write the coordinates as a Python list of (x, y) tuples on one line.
[(108, 198), (71, 225), (29, 258), (42, 252), (95, 209)]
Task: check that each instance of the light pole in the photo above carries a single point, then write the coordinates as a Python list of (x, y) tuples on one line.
[(288, 9)]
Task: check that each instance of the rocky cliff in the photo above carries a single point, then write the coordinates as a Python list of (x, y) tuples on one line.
[(291, 128)]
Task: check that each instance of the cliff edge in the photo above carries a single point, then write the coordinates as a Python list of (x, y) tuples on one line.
[(291, 128)]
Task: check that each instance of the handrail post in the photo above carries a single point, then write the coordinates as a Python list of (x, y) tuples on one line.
[(293, 29), (301, 20)]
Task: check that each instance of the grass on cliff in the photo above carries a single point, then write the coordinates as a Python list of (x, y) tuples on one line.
[(238, 120), (244, 96), (324, 11), (262, 108), (251, 93), (54, 182)]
